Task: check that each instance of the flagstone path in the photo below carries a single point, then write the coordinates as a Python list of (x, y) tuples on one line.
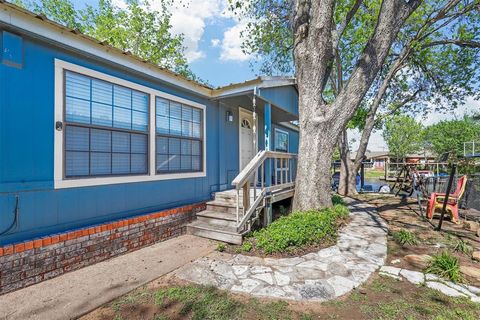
[(320, 276)]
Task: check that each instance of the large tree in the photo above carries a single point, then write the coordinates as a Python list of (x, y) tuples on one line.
[(403, 136), (450, 136), (317, 29), (435, 61), (138, 28)]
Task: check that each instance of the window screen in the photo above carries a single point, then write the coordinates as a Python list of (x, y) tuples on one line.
[(179, 137), (106, 128)]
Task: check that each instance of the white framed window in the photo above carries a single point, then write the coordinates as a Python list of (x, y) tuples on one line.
[(281, 140), (108, 131), (179, 137)]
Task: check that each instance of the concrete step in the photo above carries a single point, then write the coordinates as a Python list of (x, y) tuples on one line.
[(223, 233)]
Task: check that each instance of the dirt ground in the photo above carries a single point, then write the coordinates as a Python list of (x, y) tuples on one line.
[(379, 298)]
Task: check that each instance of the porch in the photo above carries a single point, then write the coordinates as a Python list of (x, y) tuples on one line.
[(266, 164)]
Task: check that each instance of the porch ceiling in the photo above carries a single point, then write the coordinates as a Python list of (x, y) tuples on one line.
[(244, 100)]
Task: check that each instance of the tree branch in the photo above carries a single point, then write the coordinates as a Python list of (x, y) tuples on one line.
[(460, 43)]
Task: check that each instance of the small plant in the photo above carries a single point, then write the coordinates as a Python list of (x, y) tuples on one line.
[(336, 199), (463, 247), (446, 266), (221, 247), (247, 246), (405, 237)]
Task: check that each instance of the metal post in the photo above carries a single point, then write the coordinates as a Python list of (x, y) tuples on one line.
[(447, 194), (362, 176)]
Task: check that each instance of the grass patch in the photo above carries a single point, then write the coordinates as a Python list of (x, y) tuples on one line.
[(463, 247), (405, 238), (200, 302), (299, 229), (446, 266)]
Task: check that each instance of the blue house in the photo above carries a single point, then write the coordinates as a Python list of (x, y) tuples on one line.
[(91, 135)]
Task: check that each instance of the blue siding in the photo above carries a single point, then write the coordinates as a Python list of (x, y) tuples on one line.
[(285, 97), (27, 152)]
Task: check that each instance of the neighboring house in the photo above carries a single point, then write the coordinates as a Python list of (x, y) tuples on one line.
[(380, 158), (91, 135)]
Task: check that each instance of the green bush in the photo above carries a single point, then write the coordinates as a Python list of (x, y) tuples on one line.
[(300, 228), (247, 246), (405, 237), (446, 266), (336, 199), (221, 247)]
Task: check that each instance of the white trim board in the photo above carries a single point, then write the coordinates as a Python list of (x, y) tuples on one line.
[(60, 182)]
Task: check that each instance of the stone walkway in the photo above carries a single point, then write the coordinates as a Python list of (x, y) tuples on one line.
[(329, 273), (432, 281)]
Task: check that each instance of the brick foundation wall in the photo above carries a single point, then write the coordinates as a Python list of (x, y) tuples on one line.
[(30, 262)]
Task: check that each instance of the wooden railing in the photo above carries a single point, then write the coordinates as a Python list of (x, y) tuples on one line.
[(267, 173)]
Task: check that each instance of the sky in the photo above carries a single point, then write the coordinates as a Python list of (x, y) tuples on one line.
[(212, 39), (213, 49)]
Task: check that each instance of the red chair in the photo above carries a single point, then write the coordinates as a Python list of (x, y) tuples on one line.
[(436, 200)]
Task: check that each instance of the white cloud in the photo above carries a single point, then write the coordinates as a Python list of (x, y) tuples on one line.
[(232, 44), (215, 42), (190, 19)]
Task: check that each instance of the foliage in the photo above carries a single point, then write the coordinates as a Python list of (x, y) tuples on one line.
[(403, 135), (299, 229), (139, 29), (336, 199), (446, 266), (405, 237), (221, 247), (247, 246), (449, 136)]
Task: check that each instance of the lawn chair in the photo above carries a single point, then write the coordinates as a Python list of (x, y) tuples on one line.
[(436, 200)]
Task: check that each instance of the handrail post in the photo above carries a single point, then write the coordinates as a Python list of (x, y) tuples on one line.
[(238, 205)]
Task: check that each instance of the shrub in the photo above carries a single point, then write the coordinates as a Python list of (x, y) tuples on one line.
[(300, 228), (405, 237), (247, 246), (221, 247), (446, 266), (336, 199)]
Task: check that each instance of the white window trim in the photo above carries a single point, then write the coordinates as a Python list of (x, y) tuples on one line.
[(60, 182), (288, 139)]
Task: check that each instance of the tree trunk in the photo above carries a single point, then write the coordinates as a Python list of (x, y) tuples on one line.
[(313, 183), (320, 123), (348, 171)]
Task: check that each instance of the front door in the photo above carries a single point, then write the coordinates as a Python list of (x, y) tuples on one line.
[(247, 151)]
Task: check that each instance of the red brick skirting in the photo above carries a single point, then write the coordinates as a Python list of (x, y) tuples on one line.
[(26, 263)]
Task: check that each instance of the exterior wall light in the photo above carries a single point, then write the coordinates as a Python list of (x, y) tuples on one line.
[(229, 116)]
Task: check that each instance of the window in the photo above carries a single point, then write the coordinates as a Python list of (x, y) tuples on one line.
[(106, 128), (281, 140), (179, 137)]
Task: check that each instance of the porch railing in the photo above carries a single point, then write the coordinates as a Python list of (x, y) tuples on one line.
[(268, 173)]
